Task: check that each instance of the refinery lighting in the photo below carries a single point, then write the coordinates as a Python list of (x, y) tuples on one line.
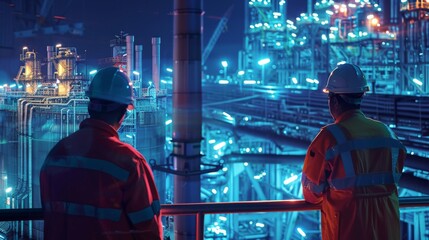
[(301, 232), (219, 146), (169, 70), (229, 117), (225, 66), (249, 82), (264, 61), (92, 72), (8, 190), (261, 225), (418, 82), (295, 80), (240, 73)]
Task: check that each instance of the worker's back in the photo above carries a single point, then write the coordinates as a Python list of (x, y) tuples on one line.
[(362, 201), (95, 187)]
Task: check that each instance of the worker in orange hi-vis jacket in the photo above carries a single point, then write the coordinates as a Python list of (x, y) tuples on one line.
[(93, 186), (352, 166)]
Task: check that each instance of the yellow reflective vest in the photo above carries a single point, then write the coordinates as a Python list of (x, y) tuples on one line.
[(352, 168)]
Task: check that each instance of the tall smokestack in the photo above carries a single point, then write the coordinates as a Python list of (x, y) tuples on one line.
[(50, 56), (139, 60), (156, 61), (187, 111), (130, 55), (139, 68)]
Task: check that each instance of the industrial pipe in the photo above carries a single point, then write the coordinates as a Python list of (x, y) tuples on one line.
[(187, 111)]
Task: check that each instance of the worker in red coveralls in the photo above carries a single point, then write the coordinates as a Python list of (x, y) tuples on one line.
[(94, 186), (352, 166)]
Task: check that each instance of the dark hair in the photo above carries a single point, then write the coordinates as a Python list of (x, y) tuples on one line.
[(348, 101), (107, 111)]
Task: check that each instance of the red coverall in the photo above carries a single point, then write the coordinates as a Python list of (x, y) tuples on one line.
[(94, 186), (352, 168)]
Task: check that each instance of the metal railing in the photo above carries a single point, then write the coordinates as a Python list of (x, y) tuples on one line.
[(201, 209)]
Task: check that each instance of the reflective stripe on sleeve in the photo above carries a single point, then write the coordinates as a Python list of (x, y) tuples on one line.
[(75, 209), (345, 155), (146, 213), (363, 180), (90, 164), (307, 183)]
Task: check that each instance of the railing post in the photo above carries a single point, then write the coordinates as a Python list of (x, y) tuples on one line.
[(200, 226)]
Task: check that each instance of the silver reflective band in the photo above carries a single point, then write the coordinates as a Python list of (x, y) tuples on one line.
[(90, 164), (307, 183), (362, 180), (345, 155), (359, 144), (146, 213), (75, 209)]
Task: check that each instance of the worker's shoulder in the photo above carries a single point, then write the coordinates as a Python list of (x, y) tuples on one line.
[(326, 131), (324, 136), (127, 150), (379, 126), (123, 155)]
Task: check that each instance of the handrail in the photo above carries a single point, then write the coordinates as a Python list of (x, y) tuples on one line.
[(200, 209)]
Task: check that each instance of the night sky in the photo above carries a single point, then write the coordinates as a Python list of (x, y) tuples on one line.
[(144, 19)]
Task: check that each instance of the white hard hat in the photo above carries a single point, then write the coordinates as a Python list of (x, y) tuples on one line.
[(346, 78), (111, 84)]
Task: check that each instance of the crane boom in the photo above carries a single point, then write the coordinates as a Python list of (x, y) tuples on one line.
[(216, 34)]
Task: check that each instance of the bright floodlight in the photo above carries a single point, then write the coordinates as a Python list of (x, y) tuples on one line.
[(92, 72), (264, 61), (224, 64)]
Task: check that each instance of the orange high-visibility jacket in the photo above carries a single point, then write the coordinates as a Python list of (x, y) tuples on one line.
[(93, 186), (352, 168)]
